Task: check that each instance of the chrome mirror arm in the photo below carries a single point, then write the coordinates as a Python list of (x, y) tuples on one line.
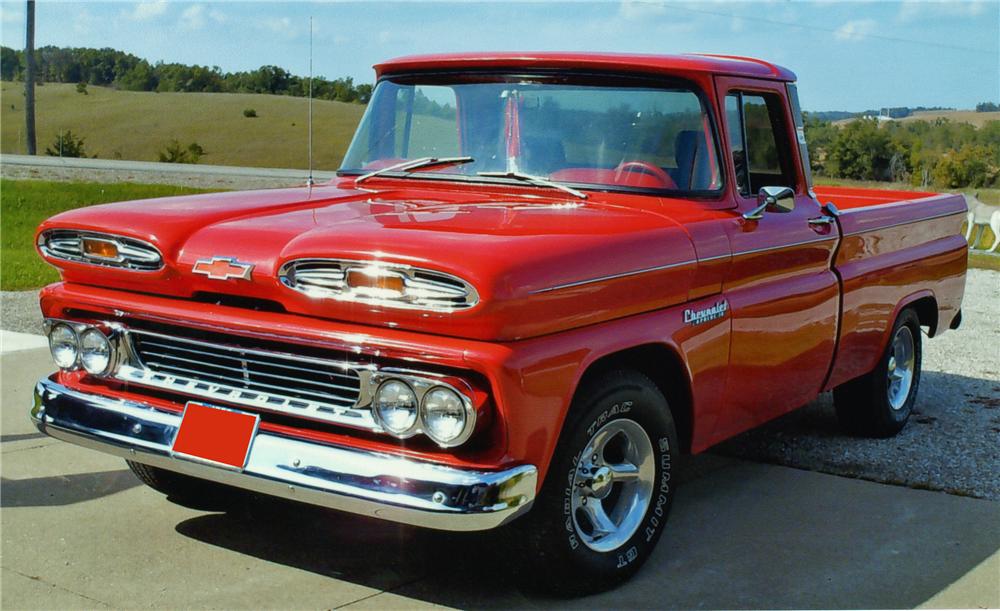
[(771, 199)]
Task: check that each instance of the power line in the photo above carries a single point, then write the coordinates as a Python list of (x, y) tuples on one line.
[(923, 43)]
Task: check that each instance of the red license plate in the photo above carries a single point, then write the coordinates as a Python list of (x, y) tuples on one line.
[(215, 435)]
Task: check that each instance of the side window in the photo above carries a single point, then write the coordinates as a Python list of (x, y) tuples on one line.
[(734, 121), (762, 157)]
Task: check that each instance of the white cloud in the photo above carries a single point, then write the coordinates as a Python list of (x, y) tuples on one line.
[(914, 10), (856, 29), (144, 11), (193, 17), (641, 9), (279, 25), (218, 16)]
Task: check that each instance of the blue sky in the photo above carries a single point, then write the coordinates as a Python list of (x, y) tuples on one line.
[(848, 55)]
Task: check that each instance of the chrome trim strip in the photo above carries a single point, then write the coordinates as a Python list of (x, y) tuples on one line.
[(671, 265), (374, 484), (900, 223), (784, 246), (611, 277)]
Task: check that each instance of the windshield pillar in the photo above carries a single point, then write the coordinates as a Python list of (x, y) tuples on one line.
[(512, 128)]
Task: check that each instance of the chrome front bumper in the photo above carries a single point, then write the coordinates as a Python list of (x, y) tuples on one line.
[(358, 481)]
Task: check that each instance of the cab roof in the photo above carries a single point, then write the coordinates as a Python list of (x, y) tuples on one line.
[(617, 62)]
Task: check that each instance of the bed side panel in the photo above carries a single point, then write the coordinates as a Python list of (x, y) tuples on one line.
[(893, 254)]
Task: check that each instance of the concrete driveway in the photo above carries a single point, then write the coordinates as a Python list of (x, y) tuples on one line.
[(79, 531)]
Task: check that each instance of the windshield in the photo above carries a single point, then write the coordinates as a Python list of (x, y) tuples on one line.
[(625, 134)]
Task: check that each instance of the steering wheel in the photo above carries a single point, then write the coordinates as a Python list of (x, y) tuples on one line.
[(645, 167)]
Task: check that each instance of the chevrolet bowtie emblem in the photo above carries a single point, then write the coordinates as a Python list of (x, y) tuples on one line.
[(222, 268)]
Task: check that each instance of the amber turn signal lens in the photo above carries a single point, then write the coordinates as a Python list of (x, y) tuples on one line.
[(100, 248), (361, 279)]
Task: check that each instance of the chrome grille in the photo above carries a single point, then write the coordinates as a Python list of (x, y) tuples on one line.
[(67, 244), (316, 388), (419, 288)]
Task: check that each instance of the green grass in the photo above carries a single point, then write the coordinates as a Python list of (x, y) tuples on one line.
[(137, 125), (24, 204)]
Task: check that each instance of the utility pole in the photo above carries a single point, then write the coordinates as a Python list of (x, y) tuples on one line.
[(29, 78)]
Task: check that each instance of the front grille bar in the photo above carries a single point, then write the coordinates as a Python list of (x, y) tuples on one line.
[(325, 390)]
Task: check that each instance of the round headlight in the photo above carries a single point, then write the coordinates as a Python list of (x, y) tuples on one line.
[(396, 406), (95, 352), (64, 345), (445, 417)]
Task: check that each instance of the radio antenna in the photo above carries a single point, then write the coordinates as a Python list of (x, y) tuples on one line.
[(310, 180)]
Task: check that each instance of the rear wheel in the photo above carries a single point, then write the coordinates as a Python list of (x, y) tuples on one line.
[(185, 490), (608, 491), (879, 403)]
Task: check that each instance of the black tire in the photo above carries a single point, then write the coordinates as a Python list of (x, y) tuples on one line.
[(551, 539), (188, 491), (864, 407)]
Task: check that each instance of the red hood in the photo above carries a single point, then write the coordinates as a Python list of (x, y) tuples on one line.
[(514, 248)]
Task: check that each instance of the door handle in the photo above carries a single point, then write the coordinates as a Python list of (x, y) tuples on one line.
[(822, 220)]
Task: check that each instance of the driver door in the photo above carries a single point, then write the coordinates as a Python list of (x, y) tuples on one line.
[(782, 294)]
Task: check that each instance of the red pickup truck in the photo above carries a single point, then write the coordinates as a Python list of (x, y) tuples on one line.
[(537, 280)]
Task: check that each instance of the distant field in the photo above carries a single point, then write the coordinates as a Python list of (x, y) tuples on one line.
[(955, 116), (137, 125), (24, 204)]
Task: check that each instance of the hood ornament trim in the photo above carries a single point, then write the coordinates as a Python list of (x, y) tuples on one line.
[(223, 268)]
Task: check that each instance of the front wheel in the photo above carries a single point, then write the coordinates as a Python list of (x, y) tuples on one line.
[(608, 491), (879, 403)]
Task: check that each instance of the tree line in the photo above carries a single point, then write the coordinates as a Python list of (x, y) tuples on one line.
[(939, 153), (112, 68)]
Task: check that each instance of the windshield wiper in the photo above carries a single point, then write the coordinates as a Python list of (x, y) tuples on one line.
[(535, 180), (414, 164)]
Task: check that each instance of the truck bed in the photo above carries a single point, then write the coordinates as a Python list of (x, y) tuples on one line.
[(846, 198), (899, 248)]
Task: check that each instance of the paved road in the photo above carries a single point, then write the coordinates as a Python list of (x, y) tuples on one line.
[(110, 170), (78, 531)]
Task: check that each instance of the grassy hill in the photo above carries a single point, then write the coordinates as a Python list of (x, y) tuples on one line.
[(137, 125), (955, 116)]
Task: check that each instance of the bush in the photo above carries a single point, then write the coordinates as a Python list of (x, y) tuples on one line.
[(174, 152), (81, 88), (67, 144), (250, 113)]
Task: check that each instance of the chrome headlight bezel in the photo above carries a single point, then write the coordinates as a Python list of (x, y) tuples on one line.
[(104, 345), (468, 416), (111, 332), (422, 384), (71, 340), (401, 432)]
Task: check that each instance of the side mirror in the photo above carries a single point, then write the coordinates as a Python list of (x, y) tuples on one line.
[(772, 199)]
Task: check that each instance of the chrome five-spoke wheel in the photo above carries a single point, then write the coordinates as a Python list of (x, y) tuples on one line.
[(902, 363), (613, 485)]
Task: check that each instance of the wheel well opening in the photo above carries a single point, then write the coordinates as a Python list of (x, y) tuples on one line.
[(664, 367), (927, 313)]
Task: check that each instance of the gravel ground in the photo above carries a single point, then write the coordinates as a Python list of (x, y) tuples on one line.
[(952, 442), (19, 312)]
